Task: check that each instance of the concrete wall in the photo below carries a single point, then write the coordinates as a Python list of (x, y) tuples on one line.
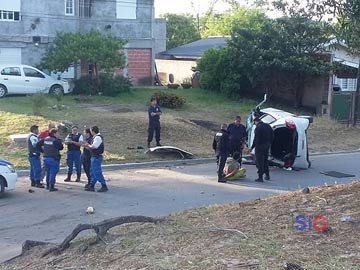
[(181, 69), (44, 18)]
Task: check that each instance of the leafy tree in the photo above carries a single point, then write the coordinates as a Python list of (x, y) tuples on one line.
[(102, 51), (180, 30), (269, 53)]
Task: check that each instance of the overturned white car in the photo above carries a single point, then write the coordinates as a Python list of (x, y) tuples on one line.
[(290, 146)]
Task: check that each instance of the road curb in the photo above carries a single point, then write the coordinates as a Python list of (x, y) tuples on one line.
[(171, 163)]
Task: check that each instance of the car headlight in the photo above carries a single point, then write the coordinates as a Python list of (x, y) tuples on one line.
[(11, 168)]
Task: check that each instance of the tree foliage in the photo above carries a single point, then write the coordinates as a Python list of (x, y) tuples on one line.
[(266, 53), (180, 30), (102, 51)]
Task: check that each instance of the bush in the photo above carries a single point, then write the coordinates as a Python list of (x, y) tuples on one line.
[(169, 100), (173, 86), (112, 86), (105, 84), (39, 101)]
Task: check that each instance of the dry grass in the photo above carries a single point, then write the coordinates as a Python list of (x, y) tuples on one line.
[(195, 239)]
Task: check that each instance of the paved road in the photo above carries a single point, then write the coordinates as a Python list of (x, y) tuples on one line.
[(49, 216)]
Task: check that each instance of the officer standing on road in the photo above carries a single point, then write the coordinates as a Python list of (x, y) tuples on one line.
[(263, 139), (221, 146), (237, 136), (73, 141), (86, 155), (42, 135), (154, 112), (34, 157), (97, 149), (52, 146)]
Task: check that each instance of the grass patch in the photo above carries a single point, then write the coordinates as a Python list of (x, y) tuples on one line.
[(123, 121)]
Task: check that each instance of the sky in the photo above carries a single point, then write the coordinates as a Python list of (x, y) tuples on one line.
[(185, 6)]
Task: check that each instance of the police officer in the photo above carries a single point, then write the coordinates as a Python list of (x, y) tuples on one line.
[(73, 141), (34, 157), (237, 136), (51, 147), (264, 136), (154, 112), (86, 155), (221, 146), (97, 149)]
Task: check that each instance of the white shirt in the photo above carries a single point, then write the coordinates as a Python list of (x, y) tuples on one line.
[(96, 142), (33, 139)]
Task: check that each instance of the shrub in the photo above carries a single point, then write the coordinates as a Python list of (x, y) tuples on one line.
[(112, 86), (173, 86), (86, 85), (39, 101), (169, 100), (105, 84)]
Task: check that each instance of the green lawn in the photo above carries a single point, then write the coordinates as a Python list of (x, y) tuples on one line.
[(122, 128)]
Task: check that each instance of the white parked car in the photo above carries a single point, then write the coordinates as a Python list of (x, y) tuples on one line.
[(22, 79), (8, 176), (290, 146)]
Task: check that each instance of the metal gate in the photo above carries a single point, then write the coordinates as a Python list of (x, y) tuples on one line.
[(343, 106)]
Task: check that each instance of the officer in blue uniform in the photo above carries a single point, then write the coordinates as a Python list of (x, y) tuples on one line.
[(221, 146), (86, 156), (154, 112), (97, 149), (73, 141), (237, 136), (34, 157), (52, 145)]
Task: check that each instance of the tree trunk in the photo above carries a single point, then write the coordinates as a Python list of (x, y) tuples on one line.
[(299, 92), (357, 94)]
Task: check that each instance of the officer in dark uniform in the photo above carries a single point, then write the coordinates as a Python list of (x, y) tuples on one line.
[(221, 146), (34, 157), (237, 136), (73, 141), (86, 155), (97, 149), (51, 147), (154, 112), (264, 136)]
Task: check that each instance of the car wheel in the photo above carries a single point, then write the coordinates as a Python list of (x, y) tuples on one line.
[(3, 90), (56, 90), (2, 186)]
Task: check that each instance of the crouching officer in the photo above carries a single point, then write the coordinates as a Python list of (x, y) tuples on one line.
[(221, 146), (51, 146), (263, 139), (97, 149), (73, 141), (34, 157)]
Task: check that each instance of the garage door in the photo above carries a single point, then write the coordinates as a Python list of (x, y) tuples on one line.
[(10, 55)]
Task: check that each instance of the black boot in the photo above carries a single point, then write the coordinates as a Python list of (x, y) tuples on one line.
[(47, 186), (33, 183), (52, 188), (158, 144), (78, 178), (90, 188), (68, 178), (267, 177), (103, 188), (259, 179), (148, 145), (39, 185)]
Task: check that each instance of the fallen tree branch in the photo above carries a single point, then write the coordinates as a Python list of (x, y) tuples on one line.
[(215, 229), (323, 199), (100, 228)]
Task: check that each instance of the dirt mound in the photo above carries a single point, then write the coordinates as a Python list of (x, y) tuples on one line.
[(258, 234)]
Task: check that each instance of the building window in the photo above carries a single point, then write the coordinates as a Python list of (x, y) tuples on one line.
[(84, 8), (69, 8), (346, 84), (6, 15), (126, 9)]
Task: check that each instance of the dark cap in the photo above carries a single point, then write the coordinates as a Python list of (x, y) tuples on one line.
[(33, 128)]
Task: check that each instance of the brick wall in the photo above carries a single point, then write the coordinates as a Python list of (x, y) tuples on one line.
[(139, 66)]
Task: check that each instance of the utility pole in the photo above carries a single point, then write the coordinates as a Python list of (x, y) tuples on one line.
[(357, 94)]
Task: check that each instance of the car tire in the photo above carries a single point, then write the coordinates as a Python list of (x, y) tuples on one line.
[(3, 90), (56, 90), (2, 186)]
